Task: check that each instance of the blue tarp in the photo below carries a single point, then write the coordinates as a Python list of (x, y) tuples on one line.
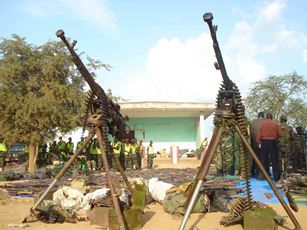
[(260, 187)]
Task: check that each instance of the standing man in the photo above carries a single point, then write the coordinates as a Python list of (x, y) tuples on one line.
[(299, 158), (82, 157), (92, 163), (127, 151), (237, 159), (224, 155), (132, 156), (253, 134), (150, 155), (62, 149), (3, 151), (116, 149), (84, 150), (43, 155), (267, 135), (122, 153), (139, 155), (285, 144), (99, 164), (53, 151), (70, 147), (135, 152)]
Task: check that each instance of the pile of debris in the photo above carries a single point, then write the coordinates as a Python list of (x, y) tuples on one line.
[(297, 183), (49, 171), (74, 203), (83, 202), (39, 181), (89, 198)]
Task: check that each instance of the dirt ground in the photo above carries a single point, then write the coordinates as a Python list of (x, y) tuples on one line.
[(14, 210)]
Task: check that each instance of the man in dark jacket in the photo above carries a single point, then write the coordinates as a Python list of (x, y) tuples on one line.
[(253, 133)]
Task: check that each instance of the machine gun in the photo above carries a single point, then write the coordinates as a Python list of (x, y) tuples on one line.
[(105, 119), (229, 113), (113, 121), (229, 110)]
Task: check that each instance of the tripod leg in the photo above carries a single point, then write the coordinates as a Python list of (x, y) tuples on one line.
[(202, 174), (63, 170), (120, 169), (111, 184), (268, 179), (204, 160)]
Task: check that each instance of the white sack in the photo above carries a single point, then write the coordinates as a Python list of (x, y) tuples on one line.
[(157, 189), (68, 198), (98, 194)]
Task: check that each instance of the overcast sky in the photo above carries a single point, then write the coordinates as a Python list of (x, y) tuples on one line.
[(161, 50)]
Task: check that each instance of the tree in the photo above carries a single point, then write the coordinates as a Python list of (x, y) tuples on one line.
[(281, 95), (116, 99), (41, 93)]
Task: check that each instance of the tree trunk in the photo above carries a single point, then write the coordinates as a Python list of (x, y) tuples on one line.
[(35, 155), (32, 150)]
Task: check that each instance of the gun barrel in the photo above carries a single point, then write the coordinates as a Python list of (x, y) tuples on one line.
[(81, 67), (208, 17), (111, 109)]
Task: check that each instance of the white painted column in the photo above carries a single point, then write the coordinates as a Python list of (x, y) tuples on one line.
[(202, 126), (175, 155)]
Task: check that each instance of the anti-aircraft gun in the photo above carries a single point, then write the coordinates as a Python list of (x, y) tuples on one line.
[(229, 114), (229, 111), (107, 119), (229, 106), (103, 118)]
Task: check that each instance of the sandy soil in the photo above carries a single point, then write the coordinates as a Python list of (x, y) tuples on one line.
[(14, 210)]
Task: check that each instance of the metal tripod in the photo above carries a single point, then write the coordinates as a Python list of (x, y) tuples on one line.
[(96, 125), (227, 119)]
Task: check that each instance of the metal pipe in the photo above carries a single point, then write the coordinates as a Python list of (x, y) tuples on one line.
[(211, 153), (122, 173), (192, 188), (111, 183), (63, 170), (202, 174), (268, 179), (42, 197), (191, 205)]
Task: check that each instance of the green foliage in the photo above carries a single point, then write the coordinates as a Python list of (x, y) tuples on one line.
[(281, 95), (40, 89), (116, 99)]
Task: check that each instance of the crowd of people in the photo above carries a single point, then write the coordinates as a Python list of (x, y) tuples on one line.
[(275, 143), (129, 153), (278, 145)]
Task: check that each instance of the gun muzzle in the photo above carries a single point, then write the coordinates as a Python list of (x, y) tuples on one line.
[(60, 33), (208, 17)]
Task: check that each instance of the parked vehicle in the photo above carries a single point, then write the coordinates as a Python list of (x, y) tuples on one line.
[(16, 153)]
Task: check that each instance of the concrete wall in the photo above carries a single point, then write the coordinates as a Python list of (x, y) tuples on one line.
[(165, 132)]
